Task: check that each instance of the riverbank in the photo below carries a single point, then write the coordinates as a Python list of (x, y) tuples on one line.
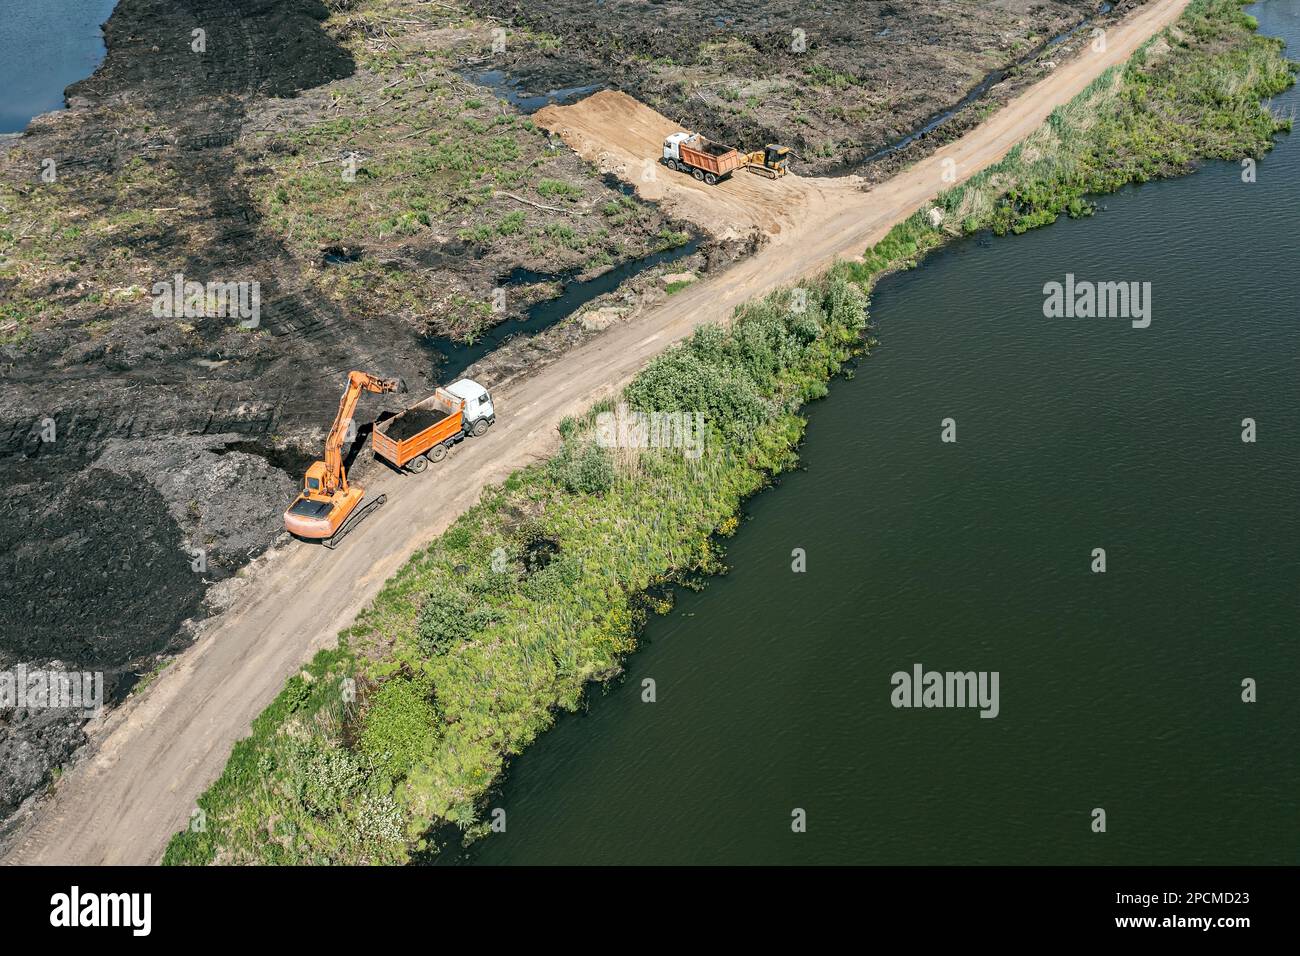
[(527, 598), (61, 42), (1119, 690), (1189, 95), (447, 690)]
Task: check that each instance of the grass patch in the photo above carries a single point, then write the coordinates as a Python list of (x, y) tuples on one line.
[(471, 649)]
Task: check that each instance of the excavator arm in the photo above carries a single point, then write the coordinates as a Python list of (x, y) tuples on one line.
[(335, 478)]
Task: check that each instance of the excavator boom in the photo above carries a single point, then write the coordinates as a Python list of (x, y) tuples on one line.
[(322, 510), (335, 477)]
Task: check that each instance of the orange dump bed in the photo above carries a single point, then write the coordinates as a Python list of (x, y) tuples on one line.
[(715, 158), (414, 431)]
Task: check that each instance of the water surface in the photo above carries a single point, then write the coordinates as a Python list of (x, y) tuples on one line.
[(45, 46), (1118, 690)]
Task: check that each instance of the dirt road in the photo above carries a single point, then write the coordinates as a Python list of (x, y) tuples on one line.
[(623, 136), (158, 752)]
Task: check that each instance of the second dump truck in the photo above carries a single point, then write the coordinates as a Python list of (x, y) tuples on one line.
[(426, 431)]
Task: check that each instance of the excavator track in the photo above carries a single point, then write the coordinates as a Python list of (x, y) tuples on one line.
[(332, 542), (763, 171)]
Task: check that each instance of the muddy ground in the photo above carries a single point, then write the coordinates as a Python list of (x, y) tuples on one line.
[(152, 455), (334, 154), (836, 80)]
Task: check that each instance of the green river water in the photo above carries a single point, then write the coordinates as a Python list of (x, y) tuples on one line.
[(1119, 691)]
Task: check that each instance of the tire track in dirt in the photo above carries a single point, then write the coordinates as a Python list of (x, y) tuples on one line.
[(161, 749), (106, 590)]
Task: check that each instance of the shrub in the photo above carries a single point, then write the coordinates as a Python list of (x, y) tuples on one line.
[(558, 187), (323, 776), (399, 725), (447, 618), (587, 470), (680, 380)]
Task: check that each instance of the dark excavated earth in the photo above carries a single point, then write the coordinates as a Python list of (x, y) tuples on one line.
[(413, 422), (93, 567)]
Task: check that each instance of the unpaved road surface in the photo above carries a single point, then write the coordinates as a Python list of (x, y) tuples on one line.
[(623, 136), (158, 752)]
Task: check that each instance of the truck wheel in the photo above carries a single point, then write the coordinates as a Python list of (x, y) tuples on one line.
[(437, 452), (418, 464), (698, 174), (480, 428), (711, 179)]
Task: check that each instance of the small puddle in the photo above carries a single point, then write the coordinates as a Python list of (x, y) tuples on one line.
[(525, 94), (452, 357), (982, 87), (340, 255)]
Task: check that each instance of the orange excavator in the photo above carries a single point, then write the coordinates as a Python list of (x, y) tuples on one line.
[(321, 511)]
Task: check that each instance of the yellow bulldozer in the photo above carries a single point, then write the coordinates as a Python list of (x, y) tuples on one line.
[(771, 161)]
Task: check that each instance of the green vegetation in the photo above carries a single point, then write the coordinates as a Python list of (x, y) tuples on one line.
[(396, 161), (431, 161), (670, 239), (558, 187), (483, 235), (64, 254), (1191, 93), (827, 77), (471, 649)]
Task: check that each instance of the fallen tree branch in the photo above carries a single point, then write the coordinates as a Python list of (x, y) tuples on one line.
[(529, 202)]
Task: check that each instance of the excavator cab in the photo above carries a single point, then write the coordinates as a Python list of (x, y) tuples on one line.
[(314, 480)]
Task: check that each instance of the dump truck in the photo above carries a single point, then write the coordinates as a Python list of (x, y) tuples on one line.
[(712, 162), (426, 431), (708, 162), (326, 508)]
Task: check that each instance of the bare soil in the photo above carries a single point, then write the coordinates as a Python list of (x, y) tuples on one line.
[(159, 750), (835, 80), (136, 439), (623, 136)]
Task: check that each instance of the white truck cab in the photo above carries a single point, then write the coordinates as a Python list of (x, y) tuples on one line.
[(479, 413), (672, 145)]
